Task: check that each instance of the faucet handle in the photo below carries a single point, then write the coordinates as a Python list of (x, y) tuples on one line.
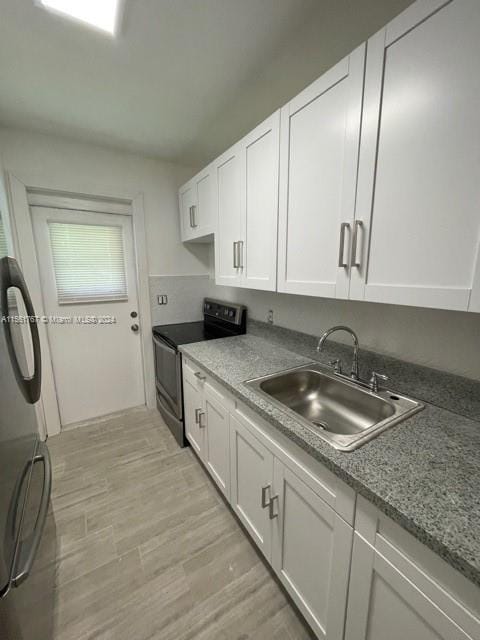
[(336, 364), (375, 377)]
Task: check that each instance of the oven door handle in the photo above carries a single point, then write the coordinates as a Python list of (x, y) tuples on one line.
[(174, 409), (178, 405), (163, 402), (163, 344)]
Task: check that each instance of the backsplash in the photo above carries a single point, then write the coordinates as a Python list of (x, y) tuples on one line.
[(445, 340), (446, 390), (185, 296), (436, 343)]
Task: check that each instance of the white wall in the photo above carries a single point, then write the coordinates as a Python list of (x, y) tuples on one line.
[(42, 157), (446, 340)]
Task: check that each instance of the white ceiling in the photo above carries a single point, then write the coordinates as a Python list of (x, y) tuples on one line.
[(184, 77)]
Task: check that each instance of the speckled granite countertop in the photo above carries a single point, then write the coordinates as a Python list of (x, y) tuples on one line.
[(424, 473)]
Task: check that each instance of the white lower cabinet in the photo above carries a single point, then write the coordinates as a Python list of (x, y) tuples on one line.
[(193, 409), (311, 553), (390, 597), (217, 439), (251, 484), (306, 542), (389, 587)]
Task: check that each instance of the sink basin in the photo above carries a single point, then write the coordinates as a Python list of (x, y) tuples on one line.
[(341, 412)]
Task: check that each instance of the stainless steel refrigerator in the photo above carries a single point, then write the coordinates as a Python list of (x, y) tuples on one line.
[(27, 526)]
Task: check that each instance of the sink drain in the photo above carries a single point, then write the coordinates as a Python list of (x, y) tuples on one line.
[(321, 425)]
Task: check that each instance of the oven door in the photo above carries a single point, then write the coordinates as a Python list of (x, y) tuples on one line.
[(168, 375)]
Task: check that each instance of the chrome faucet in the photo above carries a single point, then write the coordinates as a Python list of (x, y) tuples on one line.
[(354, 373)]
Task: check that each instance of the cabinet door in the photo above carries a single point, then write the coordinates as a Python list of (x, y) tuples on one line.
[(187, 200), (217, 439), (193, 411), (205, 211), (251, 467), (311, 553), (229, 225), (319, 141), (419, 174), (384, 602), (260, 166)]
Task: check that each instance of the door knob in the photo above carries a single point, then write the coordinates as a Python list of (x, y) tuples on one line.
[(134, 314), (134, 328)]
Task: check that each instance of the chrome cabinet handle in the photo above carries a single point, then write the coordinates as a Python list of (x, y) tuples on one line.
[(240, 254), (341, 251), (271, 505), (197, 412), (199, 375), (201, 424), (193, 216), (235, 255), (265, 490), (356, 262)]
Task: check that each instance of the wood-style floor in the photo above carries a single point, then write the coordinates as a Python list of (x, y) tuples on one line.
[(148, 549)]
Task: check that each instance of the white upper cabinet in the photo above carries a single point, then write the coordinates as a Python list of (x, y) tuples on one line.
[(198, 206), (260, 150), (186, 201), (320, 131), (247, 183), (229, 225), (419, 175)]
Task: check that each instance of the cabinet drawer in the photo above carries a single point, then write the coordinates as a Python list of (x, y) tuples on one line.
[(195, 376)]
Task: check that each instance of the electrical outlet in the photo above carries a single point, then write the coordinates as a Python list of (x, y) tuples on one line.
[(270, 316), (162, 299)]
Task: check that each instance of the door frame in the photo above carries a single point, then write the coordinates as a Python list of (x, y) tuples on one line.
[(18, 190)]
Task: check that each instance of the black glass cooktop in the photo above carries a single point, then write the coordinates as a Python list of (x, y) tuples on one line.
[(185, 333)]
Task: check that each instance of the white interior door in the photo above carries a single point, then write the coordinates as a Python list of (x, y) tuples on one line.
[(419, 174), (88, 275), (319, 142)]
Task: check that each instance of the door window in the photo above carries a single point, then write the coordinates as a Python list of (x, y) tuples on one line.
[(88, 262)]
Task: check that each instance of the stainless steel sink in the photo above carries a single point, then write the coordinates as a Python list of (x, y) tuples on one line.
[(341, 412)]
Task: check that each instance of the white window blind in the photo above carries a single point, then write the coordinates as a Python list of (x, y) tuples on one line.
[(88, 261)]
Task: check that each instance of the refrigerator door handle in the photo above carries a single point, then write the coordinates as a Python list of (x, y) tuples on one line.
[(11, 276), (33, 541)]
